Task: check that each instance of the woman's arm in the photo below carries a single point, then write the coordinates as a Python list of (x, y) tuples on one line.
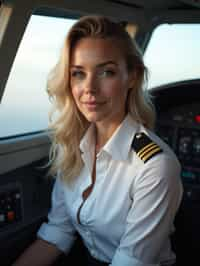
[(54, 237), (156, 195), (40, 253)]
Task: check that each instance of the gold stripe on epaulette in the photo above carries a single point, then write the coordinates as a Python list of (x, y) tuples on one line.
[(144, 148), (147, 148), (154, 151)]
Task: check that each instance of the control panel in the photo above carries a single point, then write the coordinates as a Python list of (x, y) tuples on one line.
[(188, 146), (11, 211), (180, 128)]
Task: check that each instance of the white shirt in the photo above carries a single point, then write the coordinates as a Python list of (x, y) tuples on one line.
[(128, 217)]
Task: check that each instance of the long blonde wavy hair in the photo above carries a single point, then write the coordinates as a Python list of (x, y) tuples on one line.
[(69, 125)]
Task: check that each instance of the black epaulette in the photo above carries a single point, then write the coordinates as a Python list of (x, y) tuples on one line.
[(144, 147)]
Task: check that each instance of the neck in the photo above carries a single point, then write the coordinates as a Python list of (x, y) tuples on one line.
[(104, 132)]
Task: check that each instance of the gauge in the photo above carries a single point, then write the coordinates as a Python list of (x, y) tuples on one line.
[(196, 146), (184, 145)]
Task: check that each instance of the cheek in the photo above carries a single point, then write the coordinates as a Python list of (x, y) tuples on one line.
[(109, 88), (115, 89), (76, 92)]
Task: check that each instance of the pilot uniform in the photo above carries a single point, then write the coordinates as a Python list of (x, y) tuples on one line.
[(128, 217)]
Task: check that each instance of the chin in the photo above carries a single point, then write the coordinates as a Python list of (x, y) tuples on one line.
[(94, 118)]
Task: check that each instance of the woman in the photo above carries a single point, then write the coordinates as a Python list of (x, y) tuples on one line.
[(117, 183)]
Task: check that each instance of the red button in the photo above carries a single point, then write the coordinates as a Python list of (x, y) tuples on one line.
[(11, 216), (197, 118)]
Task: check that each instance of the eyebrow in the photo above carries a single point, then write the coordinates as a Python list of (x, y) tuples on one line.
[(99, 65)]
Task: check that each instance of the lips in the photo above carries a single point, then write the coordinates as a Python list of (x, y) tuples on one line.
[(93, 104)]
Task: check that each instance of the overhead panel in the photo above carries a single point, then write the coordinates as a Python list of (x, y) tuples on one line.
[(151, 4), (195, 3)]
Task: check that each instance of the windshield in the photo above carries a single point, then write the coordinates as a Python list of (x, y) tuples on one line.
[(25, 104), (173, 54)]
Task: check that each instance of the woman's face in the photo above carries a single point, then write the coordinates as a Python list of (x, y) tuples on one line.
[(99, 80)]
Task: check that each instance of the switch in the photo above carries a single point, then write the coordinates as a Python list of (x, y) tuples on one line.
[(11, 216), (2, 218)]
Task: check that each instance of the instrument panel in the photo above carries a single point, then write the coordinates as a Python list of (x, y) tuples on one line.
[(179, 126)]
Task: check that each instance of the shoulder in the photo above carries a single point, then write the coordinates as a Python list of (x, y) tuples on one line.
[(150, 149), (145, 147), (157, 162)]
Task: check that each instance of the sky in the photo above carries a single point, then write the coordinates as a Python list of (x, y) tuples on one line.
[(173, 54), (25, 105)]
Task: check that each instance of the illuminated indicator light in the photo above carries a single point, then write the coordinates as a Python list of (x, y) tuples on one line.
[(197, 118), (2, 217), (188, 174), (17, 196), (10, 216)]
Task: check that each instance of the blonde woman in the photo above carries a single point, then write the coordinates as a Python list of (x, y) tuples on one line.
[(118, 184)]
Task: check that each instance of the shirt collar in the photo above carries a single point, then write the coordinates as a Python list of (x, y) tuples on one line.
[(119, 145), (88, 141)]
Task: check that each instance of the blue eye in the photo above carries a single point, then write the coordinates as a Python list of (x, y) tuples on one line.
[(77, 74), (107, 73)]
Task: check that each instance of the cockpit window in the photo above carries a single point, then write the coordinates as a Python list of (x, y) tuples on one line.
[(25, 105), (173, 54)]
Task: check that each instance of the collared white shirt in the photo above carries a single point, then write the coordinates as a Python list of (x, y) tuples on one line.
[(128, 217)]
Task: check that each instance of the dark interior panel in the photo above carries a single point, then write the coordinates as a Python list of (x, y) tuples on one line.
[(24, 204), (178, 124)]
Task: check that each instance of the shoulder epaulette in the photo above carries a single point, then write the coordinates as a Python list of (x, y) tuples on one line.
[(144, 147)]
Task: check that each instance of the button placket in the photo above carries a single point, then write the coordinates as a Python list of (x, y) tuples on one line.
[(102, 164), (89, 235), (84, 185)]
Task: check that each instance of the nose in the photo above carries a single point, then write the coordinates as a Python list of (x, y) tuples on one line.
[(91, 84)]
